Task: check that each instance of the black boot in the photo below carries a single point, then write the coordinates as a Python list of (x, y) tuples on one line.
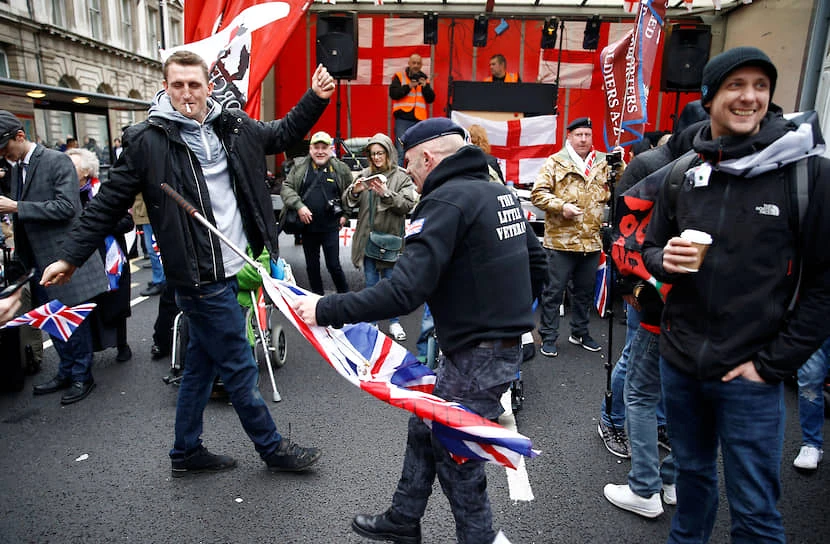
[(387, 526)]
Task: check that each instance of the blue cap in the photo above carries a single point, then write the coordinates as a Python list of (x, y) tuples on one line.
[(429, 129)]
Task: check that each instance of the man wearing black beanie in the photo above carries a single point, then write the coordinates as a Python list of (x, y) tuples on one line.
[(731, 330)]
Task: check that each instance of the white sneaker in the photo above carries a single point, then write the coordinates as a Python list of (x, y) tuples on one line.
[(670, 493), (623, 497), (808, 458), (397, 332)]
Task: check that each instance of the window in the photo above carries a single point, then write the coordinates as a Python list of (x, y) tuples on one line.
[(127, 24), (176, 36), (153, 28), (58, 12), (95, 19), (4, 63)]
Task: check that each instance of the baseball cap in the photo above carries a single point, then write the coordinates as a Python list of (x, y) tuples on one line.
[(9, 125), (321, 137)]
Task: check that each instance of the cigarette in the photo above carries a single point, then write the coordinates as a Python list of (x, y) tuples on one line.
[(189, 110)]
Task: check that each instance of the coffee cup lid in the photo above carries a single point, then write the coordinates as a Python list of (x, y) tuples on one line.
[(696, 236)]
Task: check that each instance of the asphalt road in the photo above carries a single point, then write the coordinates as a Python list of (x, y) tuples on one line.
[(98, 471)]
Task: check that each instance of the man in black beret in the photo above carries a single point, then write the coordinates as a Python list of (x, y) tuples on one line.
[(572, 188), (465, 233), (731, 329)]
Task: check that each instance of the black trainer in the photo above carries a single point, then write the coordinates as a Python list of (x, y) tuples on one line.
[(289, 457), (615, 440), (548, 348), (386, 527), (585, 341), (201, 460)]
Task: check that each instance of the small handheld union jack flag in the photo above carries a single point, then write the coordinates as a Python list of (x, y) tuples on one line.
[(55, 318)]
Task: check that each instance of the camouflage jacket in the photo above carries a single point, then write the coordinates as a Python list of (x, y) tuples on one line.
[(560, 182)]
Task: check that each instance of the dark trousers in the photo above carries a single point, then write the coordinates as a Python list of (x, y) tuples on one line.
[(477, 378), (163, 327), (579, 267), (330, 242)]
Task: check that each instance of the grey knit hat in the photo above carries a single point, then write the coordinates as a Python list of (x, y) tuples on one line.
[(727, 62)]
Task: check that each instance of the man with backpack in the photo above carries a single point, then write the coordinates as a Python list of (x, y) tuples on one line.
[(728, 336)]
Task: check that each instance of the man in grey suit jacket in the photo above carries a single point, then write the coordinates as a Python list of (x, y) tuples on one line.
[(46, 201)]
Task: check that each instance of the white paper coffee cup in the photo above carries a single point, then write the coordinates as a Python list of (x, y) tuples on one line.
[(701, 240)]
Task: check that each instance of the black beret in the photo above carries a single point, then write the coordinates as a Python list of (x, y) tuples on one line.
[(717, 69), (429, 129), (581, 122), (9, 125)]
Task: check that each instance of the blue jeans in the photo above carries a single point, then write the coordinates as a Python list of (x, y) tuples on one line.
[(744, 418), (330, 243), (642, 397), (477, 378), (811, 377), (373, 274), (579, 267), (401, 126), (616, 418), (76, 353), (155, 257), (218, 346), (427, 326)]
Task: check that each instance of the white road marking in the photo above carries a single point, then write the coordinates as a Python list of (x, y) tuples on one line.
[(518, 481)]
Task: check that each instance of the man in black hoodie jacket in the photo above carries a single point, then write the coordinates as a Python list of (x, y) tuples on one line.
[(465, 234), (727, 338)]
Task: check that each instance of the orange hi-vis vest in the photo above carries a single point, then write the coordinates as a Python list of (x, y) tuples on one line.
[(509, 77), (413, 101)]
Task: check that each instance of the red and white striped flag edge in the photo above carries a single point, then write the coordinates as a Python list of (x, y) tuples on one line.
[(370, 360)]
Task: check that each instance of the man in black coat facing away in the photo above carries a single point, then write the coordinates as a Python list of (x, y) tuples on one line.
[(464, 235)]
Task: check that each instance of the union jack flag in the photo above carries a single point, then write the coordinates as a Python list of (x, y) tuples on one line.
[(115, 261), (373, 362), (55, 318), (601, 285)]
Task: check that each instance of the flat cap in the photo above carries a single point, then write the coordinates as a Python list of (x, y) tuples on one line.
[(580, 122), (429, 129), (9, 125)]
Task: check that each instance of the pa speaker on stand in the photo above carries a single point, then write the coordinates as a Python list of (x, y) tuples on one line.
[(337, 44)]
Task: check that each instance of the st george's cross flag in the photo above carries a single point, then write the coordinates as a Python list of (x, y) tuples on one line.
[(240, 40), (521, 145), (55, 318), (383, 368)]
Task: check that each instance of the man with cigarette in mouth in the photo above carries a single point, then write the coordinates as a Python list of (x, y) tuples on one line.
[(215, 158), (732, 327)]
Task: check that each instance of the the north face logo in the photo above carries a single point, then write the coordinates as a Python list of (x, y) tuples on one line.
[(768, 209)]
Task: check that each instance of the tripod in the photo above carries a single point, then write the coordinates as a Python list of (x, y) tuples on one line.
[(341, 150), (613, 160)]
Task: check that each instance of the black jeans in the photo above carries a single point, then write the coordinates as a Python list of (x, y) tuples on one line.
[(330, 242)]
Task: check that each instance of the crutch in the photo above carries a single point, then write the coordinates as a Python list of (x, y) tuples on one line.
[(186, 206), (261, 325)]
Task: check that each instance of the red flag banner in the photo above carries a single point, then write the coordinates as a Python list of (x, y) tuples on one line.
[(249, 37), (627, 66)]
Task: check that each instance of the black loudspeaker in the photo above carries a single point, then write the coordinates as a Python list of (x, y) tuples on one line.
[(685, 54), (590, 39), (431, 28), (480, 31), (337, 44), (549, 33)]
